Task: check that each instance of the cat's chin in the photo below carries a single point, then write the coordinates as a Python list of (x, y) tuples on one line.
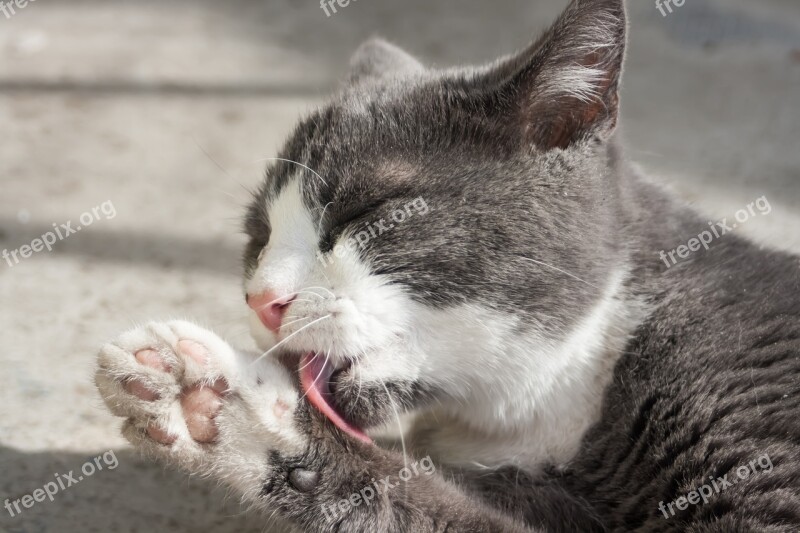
[(317, 377)]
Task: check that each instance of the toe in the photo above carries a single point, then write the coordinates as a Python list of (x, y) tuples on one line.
[(195, 351), (159, 435), (140, 390), (149, 357)]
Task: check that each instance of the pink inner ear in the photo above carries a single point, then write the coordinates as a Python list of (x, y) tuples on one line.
[(561, 117), (565, 84)]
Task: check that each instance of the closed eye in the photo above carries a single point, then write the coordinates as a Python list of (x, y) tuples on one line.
[(350, 215), (340, 220)]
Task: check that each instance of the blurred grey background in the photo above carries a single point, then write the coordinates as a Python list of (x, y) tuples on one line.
[(166, 109)]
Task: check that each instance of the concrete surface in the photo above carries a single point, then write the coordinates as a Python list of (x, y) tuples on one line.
[(165, 108)]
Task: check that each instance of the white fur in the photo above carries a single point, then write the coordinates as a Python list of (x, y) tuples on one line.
[(289, 255), (577, 81), (571, 75), (523, 398)]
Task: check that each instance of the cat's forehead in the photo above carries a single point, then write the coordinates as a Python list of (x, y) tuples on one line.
[(368, 182), (353, 149)]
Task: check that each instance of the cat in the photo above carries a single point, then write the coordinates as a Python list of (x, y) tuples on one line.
[(471, 247)]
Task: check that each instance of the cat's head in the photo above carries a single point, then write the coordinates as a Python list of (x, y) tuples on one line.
[(425, 223)]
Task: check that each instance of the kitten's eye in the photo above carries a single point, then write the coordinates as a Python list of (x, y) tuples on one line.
[(351, 215), (346, 216)]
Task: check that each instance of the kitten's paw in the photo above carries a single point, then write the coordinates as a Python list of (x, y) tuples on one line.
[(190, 399)]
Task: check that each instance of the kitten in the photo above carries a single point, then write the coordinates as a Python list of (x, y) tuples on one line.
[(471, 247)]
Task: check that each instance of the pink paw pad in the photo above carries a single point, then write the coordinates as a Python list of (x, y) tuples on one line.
[(151, 358), (148, 358), (140, 390), (195, 351), (200, 404), (159, 435)]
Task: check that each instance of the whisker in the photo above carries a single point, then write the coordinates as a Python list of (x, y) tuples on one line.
[(315, 379), (562, 271), (282, 297), (310, 292), (290, 336), (216, 163), (311, 361), (296, 163), (360, 385), (324, 289), (326, 277), (294, 321), (400, 429), (322, 216)]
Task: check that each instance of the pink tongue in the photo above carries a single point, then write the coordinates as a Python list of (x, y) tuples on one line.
[(315, 374)]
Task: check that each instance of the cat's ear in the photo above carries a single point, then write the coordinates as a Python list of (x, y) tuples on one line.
[(377, 58), (565, 86)]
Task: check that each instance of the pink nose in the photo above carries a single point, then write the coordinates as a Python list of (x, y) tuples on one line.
[(270, 308)]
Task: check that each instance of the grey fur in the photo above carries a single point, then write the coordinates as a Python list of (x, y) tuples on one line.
[(513, 161)]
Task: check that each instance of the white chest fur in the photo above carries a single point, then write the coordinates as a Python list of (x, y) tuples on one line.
[(521, 399)]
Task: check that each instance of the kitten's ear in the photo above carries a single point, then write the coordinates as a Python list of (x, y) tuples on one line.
[(377, 58), (565, 86)]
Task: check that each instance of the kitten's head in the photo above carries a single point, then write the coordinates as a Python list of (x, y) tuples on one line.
[(419, 224)]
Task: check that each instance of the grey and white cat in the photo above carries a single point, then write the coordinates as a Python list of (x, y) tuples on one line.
[(469, 246)]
